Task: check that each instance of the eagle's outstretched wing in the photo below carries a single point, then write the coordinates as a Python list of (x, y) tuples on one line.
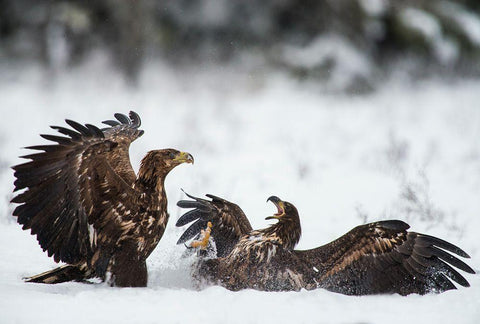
[(228, 220), (383, 257), (70, 187)]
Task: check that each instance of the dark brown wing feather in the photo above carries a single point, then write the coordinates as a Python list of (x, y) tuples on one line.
[(228, 220), (383, 257), (123, 134), (61, 184)]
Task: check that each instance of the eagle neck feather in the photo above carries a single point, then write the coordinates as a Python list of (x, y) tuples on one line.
[(151, 178), (287, 231)]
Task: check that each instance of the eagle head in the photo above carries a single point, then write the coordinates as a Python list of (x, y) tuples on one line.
[(169, 158), (158, 163), (287, 229), (285, 209)]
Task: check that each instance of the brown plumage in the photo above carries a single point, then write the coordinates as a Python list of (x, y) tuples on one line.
[(83, 201), (375, 258)]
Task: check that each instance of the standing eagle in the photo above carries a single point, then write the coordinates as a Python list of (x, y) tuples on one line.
[(375, 258), (83, 201)]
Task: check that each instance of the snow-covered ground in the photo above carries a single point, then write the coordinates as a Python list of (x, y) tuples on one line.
[(407, 151)]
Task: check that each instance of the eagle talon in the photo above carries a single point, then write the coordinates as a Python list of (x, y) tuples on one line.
[(202, 243)]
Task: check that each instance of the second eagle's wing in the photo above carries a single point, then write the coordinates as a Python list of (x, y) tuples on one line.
[(229, 223), (383, 257)]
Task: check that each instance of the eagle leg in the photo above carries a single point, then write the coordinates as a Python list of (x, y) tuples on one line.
[(202, 243)]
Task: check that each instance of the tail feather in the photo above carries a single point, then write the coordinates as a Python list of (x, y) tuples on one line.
[(61, 274)]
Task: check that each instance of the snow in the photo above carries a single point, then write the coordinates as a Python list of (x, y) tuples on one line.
[(340, 159)]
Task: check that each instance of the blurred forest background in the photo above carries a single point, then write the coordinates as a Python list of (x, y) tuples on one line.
[(351, 43)]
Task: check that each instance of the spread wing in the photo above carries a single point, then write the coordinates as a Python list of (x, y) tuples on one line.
[(68, 185), (383, 257), (228, 220)]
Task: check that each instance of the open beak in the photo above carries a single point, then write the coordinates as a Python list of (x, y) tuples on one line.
[(184, 157), (280, 207)]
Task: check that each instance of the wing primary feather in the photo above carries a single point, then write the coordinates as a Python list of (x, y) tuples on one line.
[(193, 230), (443, 282), (193, 204), (39, 157), (95, 130), (189, 217), (123, 119), (79, 127), (452, 260), (74, 135), (195, 198), (216, 198), (427, 240), (454, 275), (111, 123), (137, 122), (45, 148), (59, 139)]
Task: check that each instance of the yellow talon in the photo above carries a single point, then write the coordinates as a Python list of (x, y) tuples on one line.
[(204, 237)]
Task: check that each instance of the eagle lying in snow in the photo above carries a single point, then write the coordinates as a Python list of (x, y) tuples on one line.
[(375, 258), (83, 201)]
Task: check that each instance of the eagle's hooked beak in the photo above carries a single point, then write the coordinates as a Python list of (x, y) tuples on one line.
[(280, 206), (184, 157)]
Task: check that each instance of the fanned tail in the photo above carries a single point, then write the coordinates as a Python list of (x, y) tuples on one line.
[(61, 274)]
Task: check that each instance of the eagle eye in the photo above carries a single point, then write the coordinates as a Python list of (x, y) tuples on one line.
[(171, 155)]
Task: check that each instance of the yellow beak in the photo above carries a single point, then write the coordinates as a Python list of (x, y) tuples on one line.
[(184, 157), (280, 206)]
